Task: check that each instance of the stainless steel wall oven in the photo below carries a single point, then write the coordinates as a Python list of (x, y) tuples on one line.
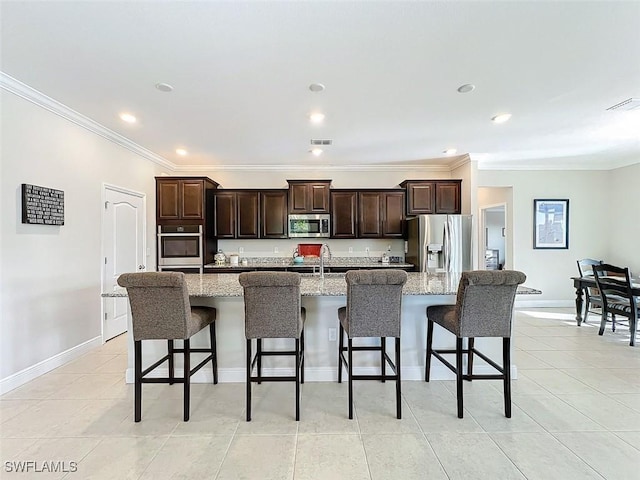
[(180, 246)]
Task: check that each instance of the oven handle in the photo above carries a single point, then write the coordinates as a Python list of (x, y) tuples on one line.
[(179, 234)]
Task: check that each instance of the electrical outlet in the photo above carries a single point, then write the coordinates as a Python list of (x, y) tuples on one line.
[(275, 249), (350, 249), (366, 249), (240, 250), (389, 248), (332, 335)]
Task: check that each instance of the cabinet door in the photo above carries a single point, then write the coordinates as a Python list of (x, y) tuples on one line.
[(167, 195), (298, 198), (309, 196), (192, 197), (420, 198), (225, 208), (273, 218), (393, 214), (369, 215), (344, 214), (318, 198), (247, 215), (448, 197)]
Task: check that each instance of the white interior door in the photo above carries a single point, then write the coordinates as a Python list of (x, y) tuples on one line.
[(124, 249)]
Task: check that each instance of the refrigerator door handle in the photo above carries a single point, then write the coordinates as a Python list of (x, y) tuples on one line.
[(446, 247), (425, 247)]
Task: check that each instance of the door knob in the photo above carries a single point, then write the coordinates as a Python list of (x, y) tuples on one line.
[(141, 267)]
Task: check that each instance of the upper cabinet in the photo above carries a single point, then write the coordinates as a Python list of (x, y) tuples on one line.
[(432, 196), (381, 214), (273, 214), (344, 214), (236, 214), (251, 214), (182, 199), (309, 196)]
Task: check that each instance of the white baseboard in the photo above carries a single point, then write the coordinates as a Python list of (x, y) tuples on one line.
[(20, 378), (320, 374)]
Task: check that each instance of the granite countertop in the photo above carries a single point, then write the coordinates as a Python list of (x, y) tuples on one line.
[(287, 262), (333, 284)]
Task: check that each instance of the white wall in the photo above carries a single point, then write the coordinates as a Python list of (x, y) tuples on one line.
[(588, 193), (51, 276)]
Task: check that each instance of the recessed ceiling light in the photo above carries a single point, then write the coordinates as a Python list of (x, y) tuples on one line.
[(316, 151), (450, 151), (127, 117), (164, 87), (466, 88), (316, 117), (503, 117), (181, 151), (316, 87)]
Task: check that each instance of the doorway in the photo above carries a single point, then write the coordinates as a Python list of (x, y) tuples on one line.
[(494, 226), (123, 251)]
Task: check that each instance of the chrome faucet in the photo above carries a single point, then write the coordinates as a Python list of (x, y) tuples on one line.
[(324, 248)]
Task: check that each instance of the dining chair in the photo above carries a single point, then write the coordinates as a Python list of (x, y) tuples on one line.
[(272, 309), (484, 308), (591, 294), (160, 310), (615, 286), (374, 308)]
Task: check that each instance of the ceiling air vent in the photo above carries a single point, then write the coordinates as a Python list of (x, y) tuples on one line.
[(321, 142), (629, 104)]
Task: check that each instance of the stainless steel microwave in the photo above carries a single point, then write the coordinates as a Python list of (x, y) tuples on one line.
[(309, 226)]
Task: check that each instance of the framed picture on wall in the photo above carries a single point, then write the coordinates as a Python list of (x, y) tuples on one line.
[(551, 223)]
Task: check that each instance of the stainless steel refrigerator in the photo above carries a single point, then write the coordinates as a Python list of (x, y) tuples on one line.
[(440, 243)]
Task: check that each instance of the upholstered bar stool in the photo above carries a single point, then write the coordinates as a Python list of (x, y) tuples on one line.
[(160, 310), (484, 308), (272, 309), (374, 307)]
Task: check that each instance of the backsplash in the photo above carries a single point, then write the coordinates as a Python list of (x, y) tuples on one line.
[(339, 248)]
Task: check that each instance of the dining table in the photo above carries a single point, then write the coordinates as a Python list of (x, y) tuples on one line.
[(582, 283)]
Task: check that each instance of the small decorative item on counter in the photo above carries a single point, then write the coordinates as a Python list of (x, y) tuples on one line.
[(298, 259), (244, 262), (385, 258), (220, 258), (233, 259)]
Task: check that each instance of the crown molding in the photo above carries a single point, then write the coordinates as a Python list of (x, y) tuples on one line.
[(36, 97), (314, 168)]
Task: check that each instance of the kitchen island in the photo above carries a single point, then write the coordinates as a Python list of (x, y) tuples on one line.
[(321, 296)]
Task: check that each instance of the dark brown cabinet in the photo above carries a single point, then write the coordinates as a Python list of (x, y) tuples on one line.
[(247, 215), (273, 214), (344, 214), (251, 214), (432, 196), (381, 214), (182, 199), (309, 196), (225, 214)]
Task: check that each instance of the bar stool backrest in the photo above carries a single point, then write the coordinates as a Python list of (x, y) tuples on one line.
[(374, 302), (271, 304), (160, 307), (484, 303)]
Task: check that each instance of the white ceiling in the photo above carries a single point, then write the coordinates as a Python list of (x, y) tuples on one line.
[(241, 72)]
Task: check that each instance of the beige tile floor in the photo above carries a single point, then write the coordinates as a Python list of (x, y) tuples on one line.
[(576, 414)]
